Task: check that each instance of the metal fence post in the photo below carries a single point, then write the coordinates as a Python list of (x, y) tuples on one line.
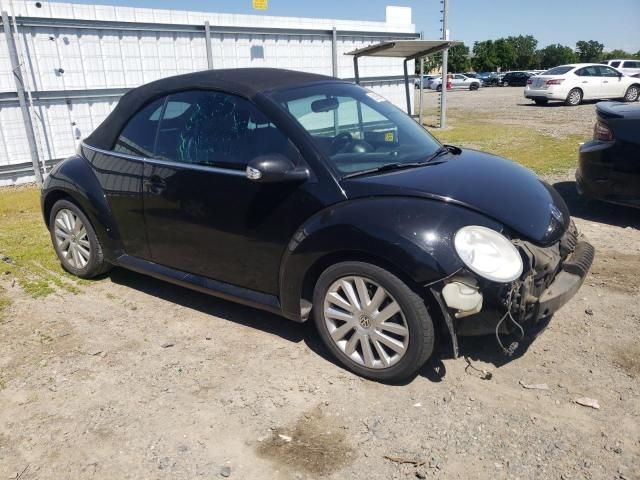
[(26, 115), (334, 52), (445, 64), (207, 40)]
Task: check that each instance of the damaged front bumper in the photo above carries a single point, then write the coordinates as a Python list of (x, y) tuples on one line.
[(473, 306)]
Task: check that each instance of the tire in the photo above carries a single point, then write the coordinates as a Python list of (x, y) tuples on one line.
[(632, 94), (357, 331), (505, 84), (574, 98), (87, 261), (439, 88), (541, 101), (474, 86)]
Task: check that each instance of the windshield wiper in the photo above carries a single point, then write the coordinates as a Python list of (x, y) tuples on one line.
[(385, 168), (442, 150), (402, 165)]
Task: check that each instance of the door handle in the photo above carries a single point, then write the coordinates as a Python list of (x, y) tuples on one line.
[(155, 185), (605, 81)]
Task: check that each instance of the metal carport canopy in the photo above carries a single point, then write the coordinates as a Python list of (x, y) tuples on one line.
[(407, 49)]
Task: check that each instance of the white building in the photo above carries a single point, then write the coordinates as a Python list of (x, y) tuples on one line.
[(77, 60)]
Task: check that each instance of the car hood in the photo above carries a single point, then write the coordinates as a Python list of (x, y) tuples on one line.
[(491, 185)]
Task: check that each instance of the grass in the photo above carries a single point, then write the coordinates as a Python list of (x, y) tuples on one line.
[(26, 246), (538, 151)]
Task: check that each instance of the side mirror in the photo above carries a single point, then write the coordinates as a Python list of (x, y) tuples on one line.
[(275, 168)]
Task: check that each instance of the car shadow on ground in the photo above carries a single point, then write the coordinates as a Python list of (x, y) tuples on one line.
[(595, 211), (210, 305), (478, 348), (556, 104)]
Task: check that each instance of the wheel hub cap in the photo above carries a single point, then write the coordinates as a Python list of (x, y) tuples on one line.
[(365, 322), (71, 239)]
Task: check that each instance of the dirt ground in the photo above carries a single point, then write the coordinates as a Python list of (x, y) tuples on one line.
[(508, 105), (135, 378)]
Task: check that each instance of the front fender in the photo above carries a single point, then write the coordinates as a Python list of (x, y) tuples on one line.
[(74, 178), (414, 235)]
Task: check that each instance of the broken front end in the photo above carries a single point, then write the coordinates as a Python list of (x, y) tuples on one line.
[(474, 305)]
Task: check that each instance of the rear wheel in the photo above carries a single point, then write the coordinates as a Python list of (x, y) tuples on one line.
[(541, 101), (75, 241), (574, 98), (505, 84), (439, 88), (372, 322), (633, 92)]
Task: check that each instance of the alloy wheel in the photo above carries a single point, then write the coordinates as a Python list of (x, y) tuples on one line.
[(365, 322), (632, 94), (575, 97), (72, 239)]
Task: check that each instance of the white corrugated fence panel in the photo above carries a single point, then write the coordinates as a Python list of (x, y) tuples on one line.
[(66, 58)]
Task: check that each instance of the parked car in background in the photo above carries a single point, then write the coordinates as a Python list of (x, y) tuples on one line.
[(489, 79), (609, 165), (574, 83), (316, 199), (425, 81), (470, 75), (628, 67), (515, 79), (458, 81)]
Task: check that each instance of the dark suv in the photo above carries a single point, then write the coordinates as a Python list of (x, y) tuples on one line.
[(312, 197), (515, 79)]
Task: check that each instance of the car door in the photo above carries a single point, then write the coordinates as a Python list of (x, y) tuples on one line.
[(589, 81), (612, 84), (202, 214), (458, 81), (120, 173)]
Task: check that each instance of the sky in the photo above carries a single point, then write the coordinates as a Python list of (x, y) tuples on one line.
[(615, 23)]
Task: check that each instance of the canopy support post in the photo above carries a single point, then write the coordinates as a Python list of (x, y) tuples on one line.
[(355, 69), (406, 86)]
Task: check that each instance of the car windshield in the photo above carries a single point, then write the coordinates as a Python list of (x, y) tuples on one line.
[(558, 70), (358, 130)]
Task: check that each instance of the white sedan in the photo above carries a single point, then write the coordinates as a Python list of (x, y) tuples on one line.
[(582, 81), (457, 81)]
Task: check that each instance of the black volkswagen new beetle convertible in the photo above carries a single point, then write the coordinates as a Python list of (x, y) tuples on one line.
[(312, 197)]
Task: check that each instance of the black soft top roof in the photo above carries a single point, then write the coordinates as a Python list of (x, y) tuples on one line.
[(246, 82)]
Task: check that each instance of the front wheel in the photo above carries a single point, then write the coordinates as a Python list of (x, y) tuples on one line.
[(372, 322), (574, 98), (474, 86), (505, 84), (75, 241), (439, 88), (633, 92)]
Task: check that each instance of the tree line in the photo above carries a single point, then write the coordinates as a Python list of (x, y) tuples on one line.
[(521, 53)]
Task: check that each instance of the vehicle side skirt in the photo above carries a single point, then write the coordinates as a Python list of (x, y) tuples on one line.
[(244, 296)]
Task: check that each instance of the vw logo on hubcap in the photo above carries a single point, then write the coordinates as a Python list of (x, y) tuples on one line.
[(365, 321)]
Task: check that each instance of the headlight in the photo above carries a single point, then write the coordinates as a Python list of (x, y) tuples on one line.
[(488, 253)]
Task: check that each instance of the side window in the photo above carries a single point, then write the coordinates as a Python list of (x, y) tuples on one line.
[(615, 64), (608, 72), (586, 72), (217, 129), (138, 136), (631, 65)]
